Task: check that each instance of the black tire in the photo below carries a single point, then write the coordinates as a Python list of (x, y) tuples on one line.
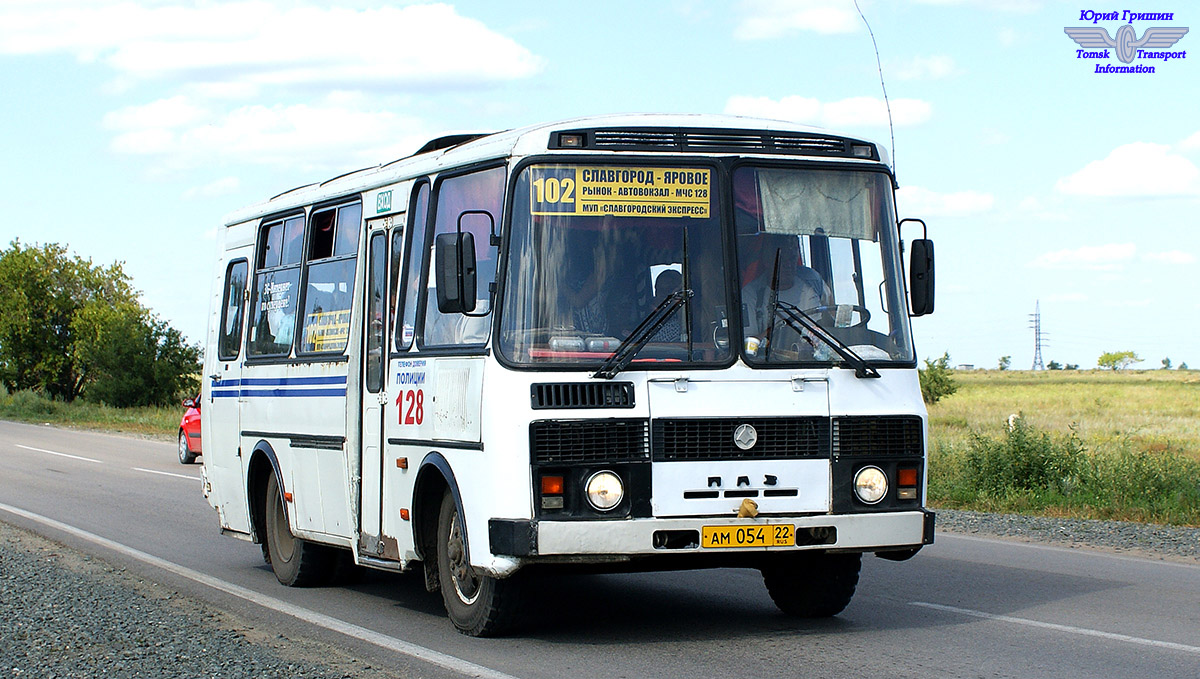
[(478, 605), (186, 456), (812, 584), (296, 562)]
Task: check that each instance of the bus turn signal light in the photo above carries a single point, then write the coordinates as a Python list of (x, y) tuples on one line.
[(552, 485), (906, 484)]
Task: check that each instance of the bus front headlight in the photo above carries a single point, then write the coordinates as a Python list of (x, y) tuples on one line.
[(870, 485), (604, 490)]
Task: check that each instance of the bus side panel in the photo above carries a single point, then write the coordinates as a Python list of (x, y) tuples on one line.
[(436, 404), (300, 410)]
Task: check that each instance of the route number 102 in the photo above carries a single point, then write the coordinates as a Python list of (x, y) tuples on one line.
[(554, 190), (414, 399)]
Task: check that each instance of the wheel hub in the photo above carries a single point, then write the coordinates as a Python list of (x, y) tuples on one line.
[(465, 582)]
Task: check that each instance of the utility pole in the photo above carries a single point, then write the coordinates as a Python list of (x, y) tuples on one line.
[(1035, 322)]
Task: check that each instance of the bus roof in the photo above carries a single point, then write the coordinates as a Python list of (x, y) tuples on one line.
[(648, 133)]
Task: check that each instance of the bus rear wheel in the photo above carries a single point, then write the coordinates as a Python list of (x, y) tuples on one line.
[(478, 605), (296, 562), (812, 584)]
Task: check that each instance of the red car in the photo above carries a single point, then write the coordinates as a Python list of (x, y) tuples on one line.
[(189, 432)]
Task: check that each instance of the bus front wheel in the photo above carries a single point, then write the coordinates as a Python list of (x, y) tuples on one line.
[(812, 584), (296, 562), (478, 605)]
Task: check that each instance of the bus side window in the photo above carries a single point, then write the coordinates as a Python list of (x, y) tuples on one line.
[(329, 279), (482, 190), (418, 216), (276, 288), (232, 310)]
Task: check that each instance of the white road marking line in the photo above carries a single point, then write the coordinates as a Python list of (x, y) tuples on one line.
[(1061, 628), (178, 476), (428, 655), (51, 452)]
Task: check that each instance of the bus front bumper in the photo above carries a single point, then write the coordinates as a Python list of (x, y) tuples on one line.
[(871, 532)]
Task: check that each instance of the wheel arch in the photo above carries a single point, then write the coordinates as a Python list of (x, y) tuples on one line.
[(434, 478), (263, 463)]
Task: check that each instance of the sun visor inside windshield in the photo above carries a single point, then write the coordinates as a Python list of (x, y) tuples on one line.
[(806, 203)]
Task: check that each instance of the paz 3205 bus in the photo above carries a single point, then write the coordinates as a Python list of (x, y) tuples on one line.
[(632, 342)]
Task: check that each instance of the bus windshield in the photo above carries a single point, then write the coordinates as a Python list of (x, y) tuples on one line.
[(595, 249), (821, 243)]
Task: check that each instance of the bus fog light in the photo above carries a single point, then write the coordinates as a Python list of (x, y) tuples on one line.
[(604, 490), (870, 485)]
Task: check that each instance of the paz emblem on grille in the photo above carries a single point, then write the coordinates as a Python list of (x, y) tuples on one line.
[(745, 436)]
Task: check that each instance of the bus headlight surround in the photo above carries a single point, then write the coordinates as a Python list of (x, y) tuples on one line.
[(604, 490), (870, 485)]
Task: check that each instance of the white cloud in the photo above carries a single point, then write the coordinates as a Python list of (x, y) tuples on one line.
[(926, 68), (914, 201), (324, 135), (1107, 257), (1170, 257), (855, 111), (220, 187), (1191, 143), (1139, 169), (766, 19), (1067, 297), (239, 46), (165, 113)]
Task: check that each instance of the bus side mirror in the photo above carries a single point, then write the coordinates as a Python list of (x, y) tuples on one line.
[(920, 277), (454, 264)]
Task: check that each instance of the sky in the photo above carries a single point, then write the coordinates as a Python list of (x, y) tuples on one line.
[(130, 128)]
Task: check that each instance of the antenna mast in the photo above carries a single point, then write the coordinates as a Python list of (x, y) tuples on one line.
[(1035, 322), (879, 66)]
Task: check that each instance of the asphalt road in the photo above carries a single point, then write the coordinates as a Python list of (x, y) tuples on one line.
[(964, 607)]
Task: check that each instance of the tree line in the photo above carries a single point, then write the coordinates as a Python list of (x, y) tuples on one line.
[(72, 329)]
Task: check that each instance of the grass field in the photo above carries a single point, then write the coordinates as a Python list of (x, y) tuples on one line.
[(26, 406), (1100, 444)]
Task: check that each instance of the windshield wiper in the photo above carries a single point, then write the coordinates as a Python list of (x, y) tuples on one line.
[(641, 335), (795, 318)]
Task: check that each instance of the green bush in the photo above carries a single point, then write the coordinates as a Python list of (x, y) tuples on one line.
[(1026, 470), (937, 381), (1023, 460)]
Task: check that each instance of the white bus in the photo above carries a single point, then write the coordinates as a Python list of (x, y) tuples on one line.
[(634, 342)]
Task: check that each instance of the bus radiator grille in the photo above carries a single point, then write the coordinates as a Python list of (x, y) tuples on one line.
[(557, 442)]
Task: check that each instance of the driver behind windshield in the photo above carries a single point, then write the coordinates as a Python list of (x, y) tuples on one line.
[(795, 284)]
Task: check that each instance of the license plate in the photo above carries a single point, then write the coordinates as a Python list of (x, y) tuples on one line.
[(770, 535)]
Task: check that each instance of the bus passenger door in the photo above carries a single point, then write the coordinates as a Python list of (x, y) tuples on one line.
[(372, 542)]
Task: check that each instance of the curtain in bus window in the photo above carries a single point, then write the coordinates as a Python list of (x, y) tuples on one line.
[(805, 203), (483, 192)]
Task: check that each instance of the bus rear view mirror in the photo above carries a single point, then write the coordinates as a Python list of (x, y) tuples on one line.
[(920, 277), (454, 264)]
